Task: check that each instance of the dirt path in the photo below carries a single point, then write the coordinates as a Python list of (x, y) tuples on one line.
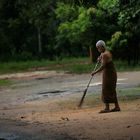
[(36, 107)]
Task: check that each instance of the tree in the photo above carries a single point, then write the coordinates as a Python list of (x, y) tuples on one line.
[(74, 22), (10, 28), (79, 24), (52, 28), (36, 12), (129, 20)]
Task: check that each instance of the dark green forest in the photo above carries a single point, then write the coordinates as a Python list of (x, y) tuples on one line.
[(55, 29)]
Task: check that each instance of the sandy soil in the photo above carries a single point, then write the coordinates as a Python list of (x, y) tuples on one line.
[(53, 118)]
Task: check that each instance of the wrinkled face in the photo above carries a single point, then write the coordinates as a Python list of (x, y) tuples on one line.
[(100, 49)]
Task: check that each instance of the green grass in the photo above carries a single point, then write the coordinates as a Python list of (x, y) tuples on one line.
[(70, 65), (123, 66), (129, 94), (94, 99), (12, 67), (5, 83)]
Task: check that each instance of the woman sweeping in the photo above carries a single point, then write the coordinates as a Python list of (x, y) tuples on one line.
[(109, 78)]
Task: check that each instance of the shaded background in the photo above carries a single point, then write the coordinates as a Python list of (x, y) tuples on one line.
[(54, 29)]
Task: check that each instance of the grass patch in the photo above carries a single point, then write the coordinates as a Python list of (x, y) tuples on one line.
[(129, 94), (123, 66), (94, 99), (12, 67), (5, 83), (71, 65)]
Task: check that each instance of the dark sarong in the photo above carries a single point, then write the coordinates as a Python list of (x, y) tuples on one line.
[(109, 83)]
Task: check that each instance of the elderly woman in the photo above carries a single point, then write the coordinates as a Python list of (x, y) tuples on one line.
[(109, 78)]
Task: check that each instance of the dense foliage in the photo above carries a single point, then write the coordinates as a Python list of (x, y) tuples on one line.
[(54, 29)]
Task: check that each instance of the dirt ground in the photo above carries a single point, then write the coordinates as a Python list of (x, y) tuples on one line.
[(40, 106)]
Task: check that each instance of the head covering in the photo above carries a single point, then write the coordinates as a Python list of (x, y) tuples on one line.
[(100, 43)]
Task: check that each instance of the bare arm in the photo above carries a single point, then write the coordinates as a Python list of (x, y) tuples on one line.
[(103, 63), (98, 70)]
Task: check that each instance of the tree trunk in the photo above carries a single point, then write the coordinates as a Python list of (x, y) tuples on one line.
[(39, 42), (90, 55)]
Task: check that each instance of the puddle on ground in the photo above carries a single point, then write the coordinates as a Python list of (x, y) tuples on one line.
[(8, 136), (47, 94), (53, 91)]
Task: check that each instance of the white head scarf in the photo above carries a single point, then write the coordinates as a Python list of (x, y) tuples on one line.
[(100, 43)]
